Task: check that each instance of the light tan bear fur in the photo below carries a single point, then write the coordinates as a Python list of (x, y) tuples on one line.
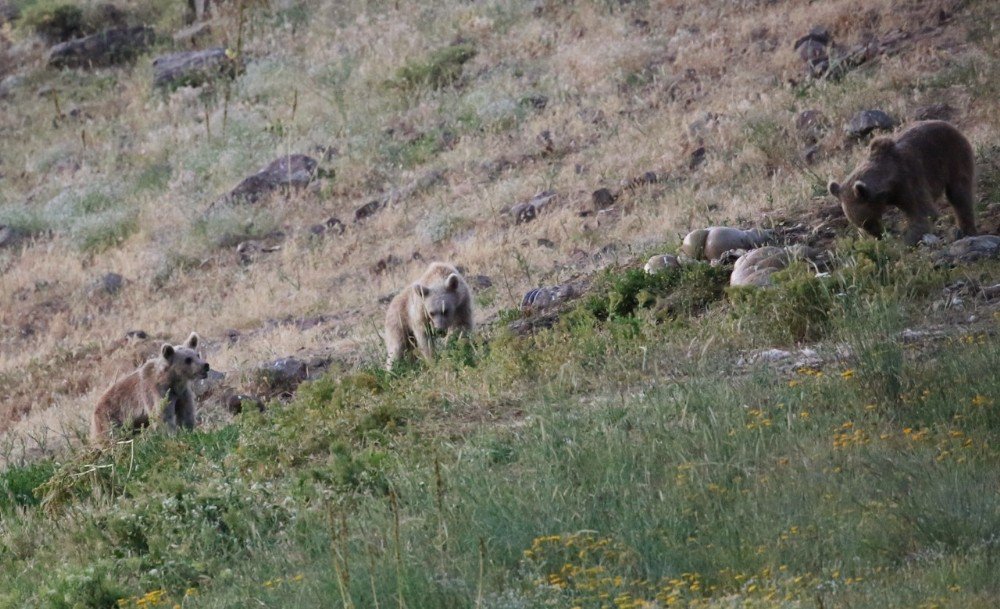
[(927, 160), (440, 302), (158, 391)]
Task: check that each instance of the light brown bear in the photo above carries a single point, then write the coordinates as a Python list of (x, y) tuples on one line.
[(158, 391), (439, 302), (926, 160)]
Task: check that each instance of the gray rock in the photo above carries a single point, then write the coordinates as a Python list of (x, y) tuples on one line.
[(368, 209), (9, 84), (540, 299), (109, 283), (280, 376), (813, 51), (110, 47), (970, 249), (662, 261), (710, 243), (292, 171), (603, 199), (756, 267), (866, 121), (479, 282), (941, 112), (10, 236), (204, 387), (811, 124), (529, 210), (193, 68)]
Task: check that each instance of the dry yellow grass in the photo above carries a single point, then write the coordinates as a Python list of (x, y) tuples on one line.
[(630, 89)]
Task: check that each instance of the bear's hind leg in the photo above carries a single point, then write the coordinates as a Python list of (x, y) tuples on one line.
[(962, 201)]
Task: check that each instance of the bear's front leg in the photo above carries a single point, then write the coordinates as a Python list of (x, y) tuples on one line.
[(423, 340), (168, 412)]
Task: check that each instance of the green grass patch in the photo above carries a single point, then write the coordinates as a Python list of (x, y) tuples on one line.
[(439, 69)]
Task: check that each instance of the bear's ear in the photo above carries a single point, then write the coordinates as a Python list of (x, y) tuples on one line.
[(881, 145), (834, 188), (452, 282), (167, 351), (861, 190), (420, 290), (192, 341)]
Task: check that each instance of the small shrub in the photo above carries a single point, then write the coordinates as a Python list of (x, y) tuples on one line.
[(17, 484), (440, 69), (672, 292), (798, 308), (55, 21)]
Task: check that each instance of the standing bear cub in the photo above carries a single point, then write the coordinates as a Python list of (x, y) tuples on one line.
[(927, 160), (439, 302), (158, 390)]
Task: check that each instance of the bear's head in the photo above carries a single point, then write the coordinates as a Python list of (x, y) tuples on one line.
[(441, 301), (867, 191), (183, 362)]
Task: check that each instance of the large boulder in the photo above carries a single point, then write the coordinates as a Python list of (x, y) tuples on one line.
[(710, 243), (292, 171), (110, 47), (756, 267), (194, 68)]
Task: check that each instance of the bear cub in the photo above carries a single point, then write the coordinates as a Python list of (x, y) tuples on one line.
[(911, 172), (440, 302), (159, 390)]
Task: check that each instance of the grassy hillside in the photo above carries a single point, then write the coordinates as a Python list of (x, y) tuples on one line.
[(639, 453)]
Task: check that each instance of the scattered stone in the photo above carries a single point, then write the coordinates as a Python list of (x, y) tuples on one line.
[(204, 387), (292, 171), (756, 267), (661, 261), (930, 240), (281, 376), (811, 124), (782, 359), (194, 68), (479, 282), (645, 179), (249, 249), (970, 249), (8, 12), (529, 210), (546, 243), (813, 51), (545, 140), (137, 334), (368, 210), (539, 299), (110, 47), (9, 83), (866, 121), (940, 112), (537, 102), (990, 292), (385, 264), (710, 243), (910, 336), (10, 236), (238, 402), (109, 283), (602, 199), (697, 158), (771, 356), (332, 226)]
